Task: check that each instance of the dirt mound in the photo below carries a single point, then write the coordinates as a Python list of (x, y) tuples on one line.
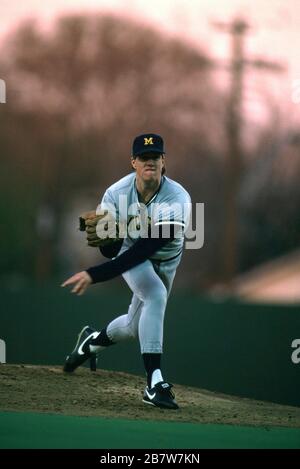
[(118, 395)]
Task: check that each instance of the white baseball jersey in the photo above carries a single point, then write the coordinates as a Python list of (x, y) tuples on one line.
[(171, 204)]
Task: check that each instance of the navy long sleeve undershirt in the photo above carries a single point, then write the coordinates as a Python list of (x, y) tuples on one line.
[(111, 250), (136, 254)]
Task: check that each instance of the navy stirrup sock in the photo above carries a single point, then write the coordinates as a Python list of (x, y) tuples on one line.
[(151, 363), (102, 339)]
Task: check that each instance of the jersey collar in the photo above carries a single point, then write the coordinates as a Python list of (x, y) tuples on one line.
[(154, 195)]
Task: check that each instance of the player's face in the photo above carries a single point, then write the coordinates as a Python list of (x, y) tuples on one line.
[(149, 166)]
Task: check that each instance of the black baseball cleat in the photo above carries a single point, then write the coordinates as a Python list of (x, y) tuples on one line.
[(160, 396), (81, 352)]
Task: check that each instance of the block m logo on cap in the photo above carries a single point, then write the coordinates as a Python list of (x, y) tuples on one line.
[(148, 141)]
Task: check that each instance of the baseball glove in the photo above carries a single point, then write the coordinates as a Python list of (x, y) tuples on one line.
[(101, 230)]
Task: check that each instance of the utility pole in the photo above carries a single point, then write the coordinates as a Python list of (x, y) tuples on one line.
[(234, 152)]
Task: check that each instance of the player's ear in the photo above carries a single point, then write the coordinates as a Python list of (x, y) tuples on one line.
[(163, 169), (133, 162)]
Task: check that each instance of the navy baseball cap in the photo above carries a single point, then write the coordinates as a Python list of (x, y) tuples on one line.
[(147, 143)]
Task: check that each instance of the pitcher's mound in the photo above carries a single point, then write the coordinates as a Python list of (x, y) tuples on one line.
[(119, 395)]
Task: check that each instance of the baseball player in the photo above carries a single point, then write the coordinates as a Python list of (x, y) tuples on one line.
[(147, 257)]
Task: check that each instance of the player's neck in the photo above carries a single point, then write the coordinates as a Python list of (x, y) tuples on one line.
[(146, 189)]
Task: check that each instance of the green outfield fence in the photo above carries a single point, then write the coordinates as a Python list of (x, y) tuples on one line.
[(228, 347)]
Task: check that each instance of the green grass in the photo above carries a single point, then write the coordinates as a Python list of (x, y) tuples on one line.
[(35, 431)]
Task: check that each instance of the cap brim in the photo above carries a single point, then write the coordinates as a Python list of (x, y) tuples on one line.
[(153, 150)]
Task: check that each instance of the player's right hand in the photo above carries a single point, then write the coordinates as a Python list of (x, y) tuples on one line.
[(81, 281)]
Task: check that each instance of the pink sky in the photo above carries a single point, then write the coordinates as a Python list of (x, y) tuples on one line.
[(275, 30), (279, 19)]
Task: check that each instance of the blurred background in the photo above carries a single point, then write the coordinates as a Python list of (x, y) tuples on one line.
[(219, 79)]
